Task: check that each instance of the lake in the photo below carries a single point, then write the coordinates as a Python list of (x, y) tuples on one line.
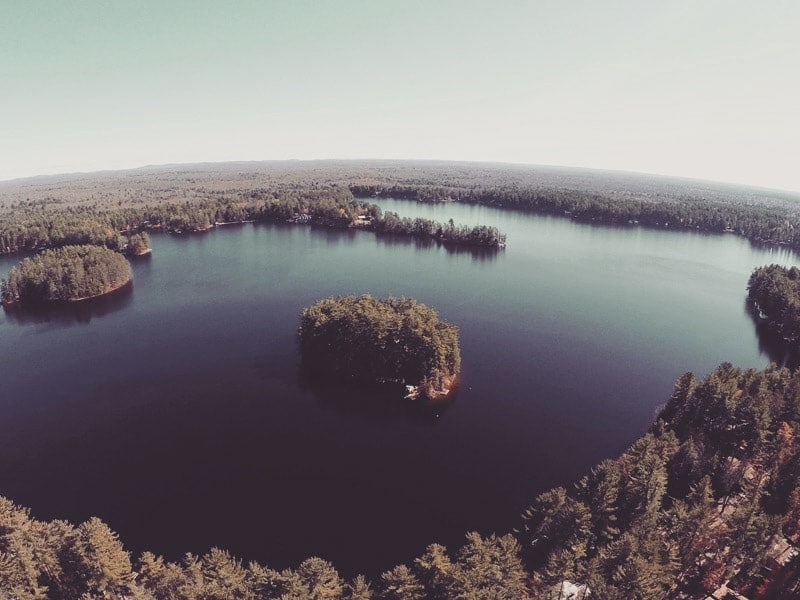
[(174, 410)]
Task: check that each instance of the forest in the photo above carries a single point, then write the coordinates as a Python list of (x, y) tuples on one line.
[(390, 340), (759, 223), (66, 274), (80, 209), (28, 228), (711, 494), (775, 292)]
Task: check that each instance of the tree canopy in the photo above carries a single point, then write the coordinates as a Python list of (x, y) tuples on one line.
[(698, 500), (66, 274), (775, 290), (367, 339)]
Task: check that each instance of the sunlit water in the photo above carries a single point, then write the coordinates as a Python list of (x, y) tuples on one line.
[(174, 410)]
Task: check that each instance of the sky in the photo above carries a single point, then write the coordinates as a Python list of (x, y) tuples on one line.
[(707, 89)]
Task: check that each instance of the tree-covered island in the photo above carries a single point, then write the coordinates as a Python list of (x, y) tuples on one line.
[(66, 274), (775, 292), (390, 340)]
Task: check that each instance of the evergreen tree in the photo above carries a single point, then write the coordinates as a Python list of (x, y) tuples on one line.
[(96, 560), (400, 584), (321, 578), (599, 491), (490, 569), (359, 589)]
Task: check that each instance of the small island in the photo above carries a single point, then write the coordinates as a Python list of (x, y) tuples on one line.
[(66, 274), (774, 292), (386, 341)]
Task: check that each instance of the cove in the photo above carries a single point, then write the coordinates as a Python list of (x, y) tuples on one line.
[(175, 412)]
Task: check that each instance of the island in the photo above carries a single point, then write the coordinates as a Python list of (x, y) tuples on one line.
[(66, 274), (381, 341), (774, 292)]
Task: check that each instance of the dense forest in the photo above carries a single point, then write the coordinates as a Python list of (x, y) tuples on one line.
[(775, 292), (758, 223), (29, 228), (710, 497), (66, 274), (101, 208), (373, 340)]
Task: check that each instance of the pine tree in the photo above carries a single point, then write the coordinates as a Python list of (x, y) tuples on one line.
[(96, 558), (436, 572), (321, 578), (359, 589), (223, 576), (400, 584), (19, 567), (599, 491), (490, 568), (645, 483)]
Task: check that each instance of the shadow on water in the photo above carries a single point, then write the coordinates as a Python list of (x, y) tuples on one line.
[(778, 350), (77, 312), (377, 403), (334, 236), (477, 253)]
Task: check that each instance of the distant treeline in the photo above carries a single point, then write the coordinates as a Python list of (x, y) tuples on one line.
[(362, 338), (766, 216), (775, 290), (25, 228), (66, 274), (758, 222), (710, 495)]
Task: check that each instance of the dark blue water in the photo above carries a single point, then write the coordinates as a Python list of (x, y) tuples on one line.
[(174, 410)]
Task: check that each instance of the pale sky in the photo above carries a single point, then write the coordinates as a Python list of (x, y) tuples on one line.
[(707, 89)]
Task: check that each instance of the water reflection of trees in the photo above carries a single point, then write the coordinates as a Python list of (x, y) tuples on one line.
[(778, 350), (67, 314), (477, 253), (379, 403)]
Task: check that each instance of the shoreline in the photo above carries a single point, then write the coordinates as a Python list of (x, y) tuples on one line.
[(19, 303)]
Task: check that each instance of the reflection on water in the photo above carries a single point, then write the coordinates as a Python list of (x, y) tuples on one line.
[(478, 253), (379, 403), (76, 312), (332, 236), (778, 350)]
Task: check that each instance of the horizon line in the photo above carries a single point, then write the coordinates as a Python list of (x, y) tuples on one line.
[(595, 170)]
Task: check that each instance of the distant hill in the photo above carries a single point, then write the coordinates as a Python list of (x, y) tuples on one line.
[(180, 181)]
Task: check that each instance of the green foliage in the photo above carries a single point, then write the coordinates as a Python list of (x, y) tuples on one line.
[(448, 233), (775, 290), (390, 340), (620, 533), (400, 584), (66, 274), (37, 227), (772, 222), (138, 244)]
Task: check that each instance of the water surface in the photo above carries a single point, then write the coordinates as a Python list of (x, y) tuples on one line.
[(174, 410)]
